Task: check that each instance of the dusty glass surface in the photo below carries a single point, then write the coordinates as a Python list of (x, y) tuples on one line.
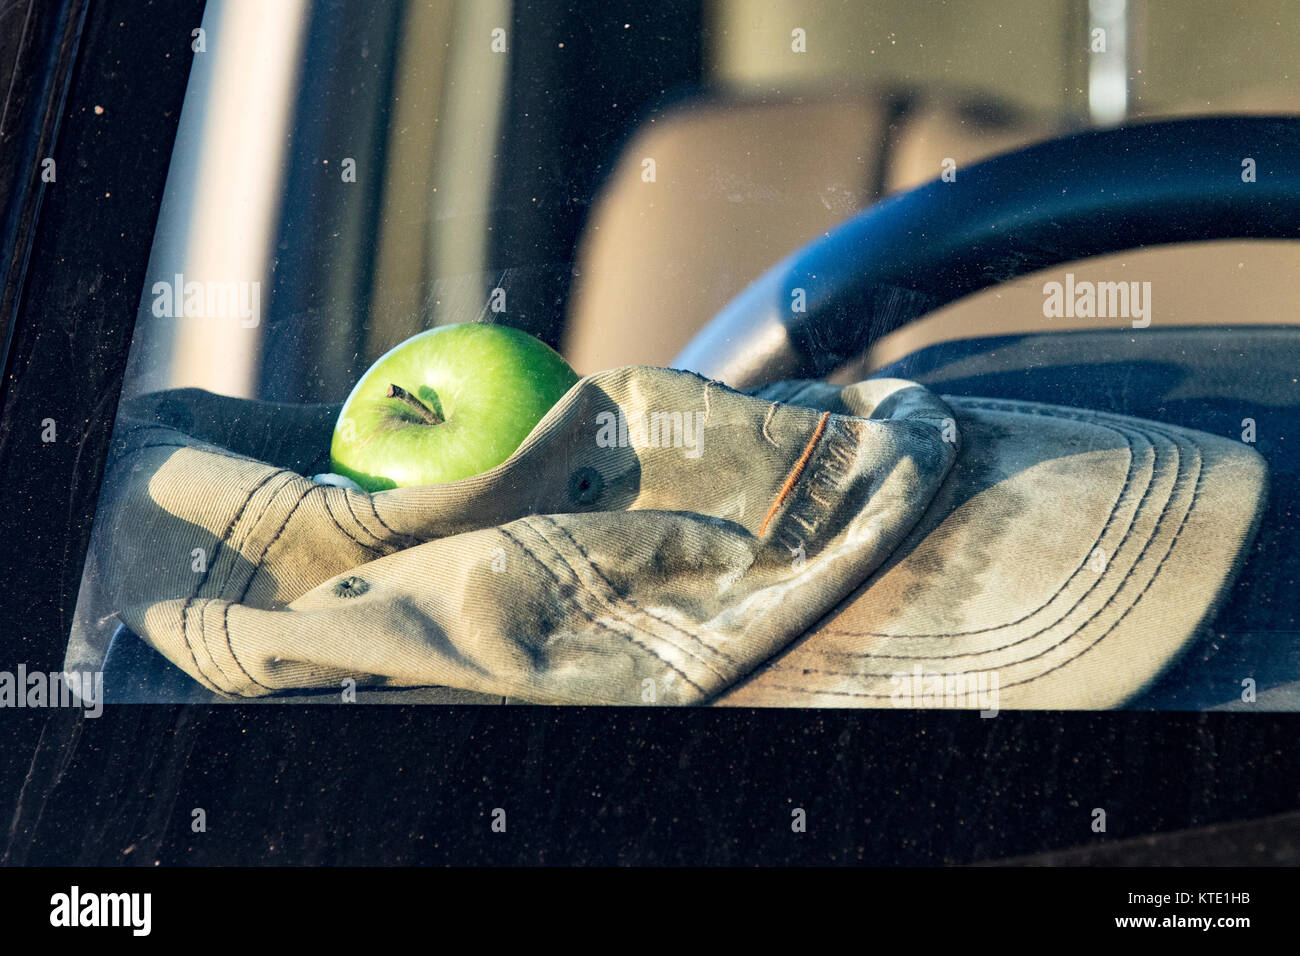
[(347, 175)]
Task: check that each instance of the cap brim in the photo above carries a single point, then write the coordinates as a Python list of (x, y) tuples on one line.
[(1067, 559)]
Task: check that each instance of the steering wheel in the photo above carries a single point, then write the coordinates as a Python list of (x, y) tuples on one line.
[(1066, 199)]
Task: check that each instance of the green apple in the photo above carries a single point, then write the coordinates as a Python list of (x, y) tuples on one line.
[(446, 404)]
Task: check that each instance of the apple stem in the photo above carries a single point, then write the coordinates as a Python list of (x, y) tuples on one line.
[(424, 411)]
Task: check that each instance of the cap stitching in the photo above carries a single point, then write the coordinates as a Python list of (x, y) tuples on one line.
[(649, 650), (1155, 574), (1028, 680), (1001, 647), (203, 627), (250, 524), (621, 598), (266, 549), (221, 542), (204, 678), (1196, 490), (613, 607), (347, 500), (767, 421), (374, 510), (225, 627), (1110, 518), (329, 510)]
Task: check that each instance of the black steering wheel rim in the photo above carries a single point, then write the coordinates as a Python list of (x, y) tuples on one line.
[(1066, 199)]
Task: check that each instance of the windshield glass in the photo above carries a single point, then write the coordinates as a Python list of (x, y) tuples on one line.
[(607, 177)]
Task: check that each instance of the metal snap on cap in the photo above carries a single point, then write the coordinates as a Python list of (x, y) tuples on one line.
[(585, 486), (351, 587)]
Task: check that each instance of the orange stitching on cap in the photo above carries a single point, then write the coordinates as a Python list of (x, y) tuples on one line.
[(795, 472)]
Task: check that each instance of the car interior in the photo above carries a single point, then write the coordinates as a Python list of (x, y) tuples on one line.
[(622, 193)]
